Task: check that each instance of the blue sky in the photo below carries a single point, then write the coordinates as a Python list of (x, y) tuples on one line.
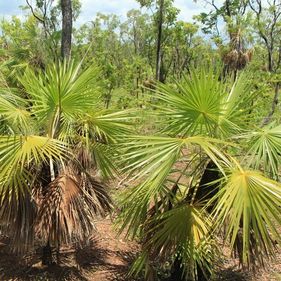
[(91, 7)]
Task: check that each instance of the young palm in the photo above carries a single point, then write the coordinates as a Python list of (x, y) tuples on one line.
[(55, 143), (198, 174)]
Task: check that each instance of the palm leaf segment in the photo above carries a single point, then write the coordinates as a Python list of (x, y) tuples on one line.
[(249, 205), (264, 148)]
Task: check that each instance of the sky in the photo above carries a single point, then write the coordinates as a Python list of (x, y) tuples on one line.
[(120, 7)]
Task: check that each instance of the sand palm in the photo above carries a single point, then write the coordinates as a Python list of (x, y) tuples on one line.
[(198, 175), (55, 139)]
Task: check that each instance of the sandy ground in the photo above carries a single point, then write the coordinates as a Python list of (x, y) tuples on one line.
[(106, 258)]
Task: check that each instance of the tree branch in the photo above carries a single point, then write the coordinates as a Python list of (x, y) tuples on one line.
[(33, 12)]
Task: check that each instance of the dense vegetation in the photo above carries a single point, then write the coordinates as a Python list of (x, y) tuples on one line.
[(187, 114)]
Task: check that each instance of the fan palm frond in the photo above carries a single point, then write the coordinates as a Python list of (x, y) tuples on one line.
[(202, 104), (12, 110), (147, 154), (264, 148), (151, 161), (62, 91), (18, 153), (184, 230), (194, 105), (249, 205)]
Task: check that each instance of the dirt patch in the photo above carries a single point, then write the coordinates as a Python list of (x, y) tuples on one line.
[(107, 257), (230, 270)]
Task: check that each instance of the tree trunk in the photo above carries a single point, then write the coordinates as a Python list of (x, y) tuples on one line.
[(177, 273), (270, 62), (159, 40), (205, 191), (66, 8), (274, 104)]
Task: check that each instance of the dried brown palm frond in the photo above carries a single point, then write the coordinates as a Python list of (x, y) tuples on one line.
[(17, 216), (231, 58), (243, 60), (18, 208), (70, 206), (82, 158), (237, 57), (250, 54), (237, 60), (98, 193)]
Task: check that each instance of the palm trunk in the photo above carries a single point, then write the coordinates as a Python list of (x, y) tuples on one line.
[(47, 258), (204, 192), (177, 273)]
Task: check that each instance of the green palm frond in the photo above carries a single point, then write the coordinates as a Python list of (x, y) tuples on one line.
[(23, 150), (62, 91), (151, 160), (239, 95), (20, 153), (249, 205), (169, 231), (109, 126), (194, 105), (96, 135), (264, 148), (148, 154), (12, 110), (184, 230), (236, 107), (136, 204), (103, 160), (203, 104)]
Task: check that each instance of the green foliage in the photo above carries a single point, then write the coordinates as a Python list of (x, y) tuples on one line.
[(50, 143), (249, 205), (203, 119), (61, 138)]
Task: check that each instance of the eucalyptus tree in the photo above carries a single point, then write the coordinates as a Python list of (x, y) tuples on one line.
[(267, 24), (66, 36), (55, 19), (199, 179), (165, 14), (55, 147), (20, 45)]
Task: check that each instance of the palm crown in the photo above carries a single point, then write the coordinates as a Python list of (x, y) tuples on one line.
[(198, 174), (54, 138)]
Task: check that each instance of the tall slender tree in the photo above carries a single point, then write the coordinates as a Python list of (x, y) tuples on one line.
[(159, 41), (268, 26), (66, 9)]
